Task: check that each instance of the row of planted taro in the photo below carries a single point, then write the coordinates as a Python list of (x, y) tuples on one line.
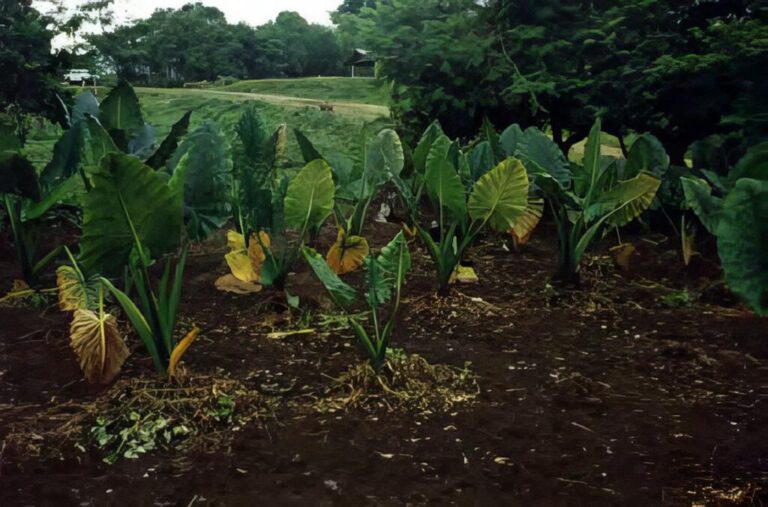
[(140, 205)]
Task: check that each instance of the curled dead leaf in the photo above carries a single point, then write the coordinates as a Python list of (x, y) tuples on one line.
[(245, 263), (527, 223), (180, 349), (464, 274), (230, 283), (98, 345), (348, 253), (622, 254), (74, 292)]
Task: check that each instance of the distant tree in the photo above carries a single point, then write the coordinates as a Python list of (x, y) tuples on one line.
[(29, 70)]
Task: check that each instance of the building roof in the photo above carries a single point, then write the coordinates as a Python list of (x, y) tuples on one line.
[(361, 57)]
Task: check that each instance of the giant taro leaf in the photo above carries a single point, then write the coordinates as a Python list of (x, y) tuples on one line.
[(500, 197), (168, 147), (386, 270), (424, 146), (698, 195), (627, 200), (309, 197), (120, 113), (542, 156), (80, 148), (753, 165), (646, 155), (204, 167), (742, 242), (127, 196), (511, 138)]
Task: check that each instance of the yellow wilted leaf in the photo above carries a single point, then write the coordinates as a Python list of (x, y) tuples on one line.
[(464, 274), (409, 231), (527, 223), (622, 254), (98, 345), (179, 350), (246, 265), (688, 237), (74, 294), (347, 254)]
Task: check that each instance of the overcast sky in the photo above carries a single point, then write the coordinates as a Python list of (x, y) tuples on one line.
[(253, 12)]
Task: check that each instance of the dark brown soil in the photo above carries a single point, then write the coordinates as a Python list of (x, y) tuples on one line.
[(611, 395)]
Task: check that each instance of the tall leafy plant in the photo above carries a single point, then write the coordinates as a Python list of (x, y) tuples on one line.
[(462, 208), (602, 192), (384, 279), (735, 210)]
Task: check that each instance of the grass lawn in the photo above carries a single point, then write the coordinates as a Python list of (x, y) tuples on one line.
[(363, 90)]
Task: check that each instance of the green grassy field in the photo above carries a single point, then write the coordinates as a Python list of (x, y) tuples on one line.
[(330, 131), (362, 90)]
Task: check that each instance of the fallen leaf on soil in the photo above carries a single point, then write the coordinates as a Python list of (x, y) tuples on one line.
[(230, 283), (622, 254), (277, 335), (98, 344), (347, 254), (464, 274), (179, 350)]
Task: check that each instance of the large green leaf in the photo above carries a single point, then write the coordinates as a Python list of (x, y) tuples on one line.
[(204, 168), (85, 104), (80, 148), (742, 242), (384, 156), (341, 293), (500, 197), (310, 195), (445, 188), (386, 270), (627, 200), (127, 196), (308, 150), (424, 146), (492, 138), (167, 148), (646, 155), (67, 191), (592, 162), (511, 138), (698, 195), (752, 165), (541, 155), (481, 160), (121, 111)]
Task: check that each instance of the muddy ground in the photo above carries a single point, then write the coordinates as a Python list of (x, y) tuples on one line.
[(623, 393)]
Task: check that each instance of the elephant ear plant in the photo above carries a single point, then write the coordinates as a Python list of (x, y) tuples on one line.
[(595, 198), (384, 278), (462, 209), (275, 215), (133, 217), (357, 185), (736, 212)]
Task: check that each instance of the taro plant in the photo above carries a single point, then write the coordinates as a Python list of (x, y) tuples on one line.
[(357, 185), (462, 208), (602, 192), (735, 210), (133, 217), (384, 279), (276, 215)]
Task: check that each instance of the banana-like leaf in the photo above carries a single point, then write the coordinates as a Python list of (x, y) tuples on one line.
[(96, 340), (500, 197), (510, 139), (68, 190), (386, 270), (741, 242), (541, 155), (171, 142), (698, 195), (628, 199), (180, 349), (128, 198), (120, 113), (592, 162), (341, 293), (310, 196), (204, 167), (76, 292), (347, 254)]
